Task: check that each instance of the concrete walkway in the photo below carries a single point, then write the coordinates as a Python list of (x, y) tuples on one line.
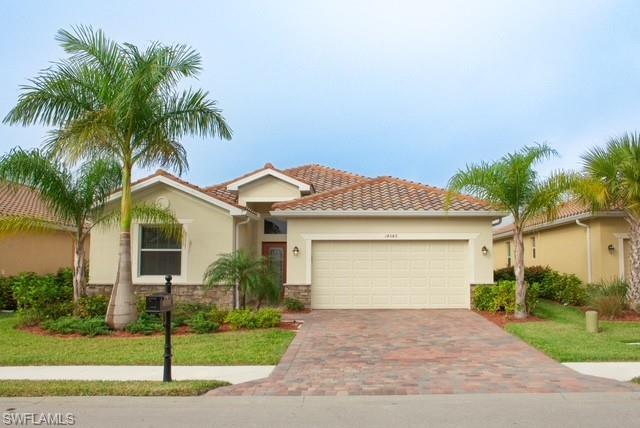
[(622, 371), (231, 374)]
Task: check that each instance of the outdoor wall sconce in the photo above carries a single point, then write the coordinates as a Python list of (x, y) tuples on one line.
[(484, 250), (296, 251), (611, 248)]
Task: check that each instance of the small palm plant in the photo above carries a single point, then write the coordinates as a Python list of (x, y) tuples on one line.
[(77, 200), (122, 102), (512, 184), (251, 276), (611, 180)]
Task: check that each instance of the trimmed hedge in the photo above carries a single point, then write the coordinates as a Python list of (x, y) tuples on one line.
[(501, 297), (70, 325), (245, 318), (563, 288), (43, 297), (532, 274)]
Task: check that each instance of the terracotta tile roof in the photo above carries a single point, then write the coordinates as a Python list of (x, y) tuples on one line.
[(323, 178), (569, 209), (18, 200), (383, 194), (163, 173)]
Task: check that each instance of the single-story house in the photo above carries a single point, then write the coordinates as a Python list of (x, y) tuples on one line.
[(592, 245), (339, 240), (32, 251)]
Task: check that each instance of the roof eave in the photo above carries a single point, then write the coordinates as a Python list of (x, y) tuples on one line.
[(386, 213)]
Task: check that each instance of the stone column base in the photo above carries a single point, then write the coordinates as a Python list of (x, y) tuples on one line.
[(301, 292)]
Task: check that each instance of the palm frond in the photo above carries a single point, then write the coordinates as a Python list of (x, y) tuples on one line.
[(145, 213), (16, 224)]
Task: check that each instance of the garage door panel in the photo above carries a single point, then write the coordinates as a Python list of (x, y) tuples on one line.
[(395, 274)]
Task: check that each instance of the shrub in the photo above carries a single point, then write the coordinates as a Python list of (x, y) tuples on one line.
[(268, 318), (91, 306), (293, 305), (47, 296), (141, 305), (244, 318), (70, 325), (201, 323), (146, 324), (241, 318), (502, 297), (532, 274), (608, 298), (28, 318), (183, 312), (563, 288), (483, 298), (7, 301), (217, 315)]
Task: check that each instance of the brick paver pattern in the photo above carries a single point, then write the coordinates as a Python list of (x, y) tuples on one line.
[(401, 352)]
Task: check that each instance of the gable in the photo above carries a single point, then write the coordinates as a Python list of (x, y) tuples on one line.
[(267, 189)]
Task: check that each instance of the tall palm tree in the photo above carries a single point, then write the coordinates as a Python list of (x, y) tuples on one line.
[(512, 184), (119, 101), (611, 180), (77, 201)]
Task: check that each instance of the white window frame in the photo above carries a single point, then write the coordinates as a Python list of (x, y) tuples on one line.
[(136, 242)]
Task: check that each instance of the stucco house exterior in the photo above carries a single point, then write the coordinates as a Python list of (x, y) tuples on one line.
[(339, 240), (33, 251), (594, 246)]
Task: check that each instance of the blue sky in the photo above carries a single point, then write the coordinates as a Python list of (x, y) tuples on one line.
[(411, 89)]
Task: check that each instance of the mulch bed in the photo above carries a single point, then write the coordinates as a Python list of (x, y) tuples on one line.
[(501, 319), (626, 316)]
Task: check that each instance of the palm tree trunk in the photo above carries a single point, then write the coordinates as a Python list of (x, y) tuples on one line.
[(521, 286), (79, 274), (633, 292), (122, 305)]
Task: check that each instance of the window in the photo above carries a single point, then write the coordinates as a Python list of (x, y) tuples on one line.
[(533, 247), (275, 227), (159, 254), (508, 253)]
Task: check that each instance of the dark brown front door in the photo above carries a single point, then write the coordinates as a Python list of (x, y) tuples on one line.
[(276, 254)]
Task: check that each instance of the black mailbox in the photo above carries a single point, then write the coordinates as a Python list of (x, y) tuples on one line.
[(159, 303)]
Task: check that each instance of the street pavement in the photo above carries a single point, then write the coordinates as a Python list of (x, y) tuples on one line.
[(580, 410)]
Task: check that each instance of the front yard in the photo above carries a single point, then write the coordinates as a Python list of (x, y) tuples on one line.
[(562, 336), (254, 347)]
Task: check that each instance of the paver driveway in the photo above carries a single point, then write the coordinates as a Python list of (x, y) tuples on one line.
[(397, 352)]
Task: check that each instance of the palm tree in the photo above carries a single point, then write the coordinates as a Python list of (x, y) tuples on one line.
[(511, 184), (121, 102), (252, 275), (611, 180), (78, 201)]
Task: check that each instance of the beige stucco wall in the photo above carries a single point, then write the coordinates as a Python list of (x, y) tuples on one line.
[(35, 252), (380, 227), (267, 189), (564, 248), (209, 232)]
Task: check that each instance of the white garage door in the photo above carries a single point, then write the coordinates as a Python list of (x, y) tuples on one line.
[(389, 274)]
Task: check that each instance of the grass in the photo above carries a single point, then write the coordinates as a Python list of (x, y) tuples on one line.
[(44, 388), (563, 337), (252, 347)]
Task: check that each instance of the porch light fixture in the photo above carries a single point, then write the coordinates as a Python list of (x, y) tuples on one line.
[(484, 250), (611, 248), (296, 251)]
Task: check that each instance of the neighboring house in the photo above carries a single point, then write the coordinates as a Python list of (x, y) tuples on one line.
[(39, 252), (339, 240), (594, 246)]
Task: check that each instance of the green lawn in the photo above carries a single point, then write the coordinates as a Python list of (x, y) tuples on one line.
[(255, 347), (44, 388), (562, 336)]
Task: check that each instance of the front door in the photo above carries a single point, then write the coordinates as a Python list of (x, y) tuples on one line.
[(276, 255)]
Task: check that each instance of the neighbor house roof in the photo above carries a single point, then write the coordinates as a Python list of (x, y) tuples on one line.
[(568, 212), (18, 200), (383, 194)]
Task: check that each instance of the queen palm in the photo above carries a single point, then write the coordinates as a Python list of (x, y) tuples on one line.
[(77, 200), (121, 102), (611, 180), (511, 184)]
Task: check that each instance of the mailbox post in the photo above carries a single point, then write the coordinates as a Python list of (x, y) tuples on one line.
[(162, 303)]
